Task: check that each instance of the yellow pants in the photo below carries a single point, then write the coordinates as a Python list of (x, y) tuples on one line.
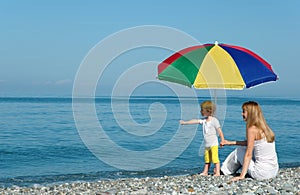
[(211, 155)]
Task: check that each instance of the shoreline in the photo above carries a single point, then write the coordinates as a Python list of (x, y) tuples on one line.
[(286, 182)]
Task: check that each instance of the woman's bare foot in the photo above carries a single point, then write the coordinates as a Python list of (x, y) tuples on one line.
[(217, 174), (203, 174)]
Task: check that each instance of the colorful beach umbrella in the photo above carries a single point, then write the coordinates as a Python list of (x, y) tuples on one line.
[(216, 66)]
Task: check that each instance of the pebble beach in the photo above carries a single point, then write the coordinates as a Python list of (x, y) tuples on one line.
[(286, 182)]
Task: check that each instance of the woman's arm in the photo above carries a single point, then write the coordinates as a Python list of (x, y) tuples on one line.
[(190, 122), (248, 155), (234, 143)]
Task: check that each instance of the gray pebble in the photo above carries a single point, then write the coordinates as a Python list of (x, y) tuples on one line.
[(287, 182)]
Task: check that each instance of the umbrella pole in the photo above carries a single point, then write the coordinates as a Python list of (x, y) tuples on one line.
[(215, 96), (214, 93)]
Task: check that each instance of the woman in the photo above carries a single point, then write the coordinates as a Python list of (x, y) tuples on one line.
[(260, 140)]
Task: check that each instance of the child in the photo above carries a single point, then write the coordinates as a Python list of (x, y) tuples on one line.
[(211, 130)]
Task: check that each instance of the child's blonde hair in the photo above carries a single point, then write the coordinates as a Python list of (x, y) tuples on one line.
[(256, 118), (209, 106)]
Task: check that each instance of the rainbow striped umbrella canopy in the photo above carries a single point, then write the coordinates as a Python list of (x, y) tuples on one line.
[(216, 66)]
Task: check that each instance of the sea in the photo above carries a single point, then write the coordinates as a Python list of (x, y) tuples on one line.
[(60, 140)]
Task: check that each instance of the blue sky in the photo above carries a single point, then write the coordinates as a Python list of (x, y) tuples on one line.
[(44, 42)]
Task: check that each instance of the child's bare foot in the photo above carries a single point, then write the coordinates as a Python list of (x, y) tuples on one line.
[(203, 174), (216, 173)]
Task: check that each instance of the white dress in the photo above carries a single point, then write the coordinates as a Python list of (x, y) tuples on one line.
[(263, 166)]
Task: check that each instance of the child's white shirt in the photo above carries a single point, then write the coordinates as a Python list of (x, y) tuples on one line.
[(210, 131)]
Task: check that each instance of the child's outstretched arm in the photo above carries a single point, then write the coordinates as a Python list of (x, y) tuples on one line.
[(190, 122)]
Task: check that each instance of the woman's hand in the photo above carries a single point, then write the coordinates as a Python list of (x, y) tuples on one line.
[(237, 178)]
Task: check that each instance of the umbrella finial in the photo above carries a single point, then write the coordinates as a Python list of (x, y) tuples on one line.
[(216, 43)]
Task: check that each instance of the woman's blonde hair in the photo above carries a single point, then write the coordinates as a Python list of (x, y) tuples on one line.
[(256, 118), (209, 106)]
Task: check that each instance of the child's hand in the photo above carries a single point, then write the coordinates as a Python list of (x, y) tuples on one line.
[(182, 122), (223, 143)]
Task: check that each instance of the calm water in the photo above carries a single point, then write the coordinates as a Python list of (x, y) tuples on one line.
[(40, 143)]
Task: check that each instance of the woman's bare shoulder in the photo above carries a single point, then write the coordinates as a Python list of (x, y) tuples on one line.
[(256, 132)]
